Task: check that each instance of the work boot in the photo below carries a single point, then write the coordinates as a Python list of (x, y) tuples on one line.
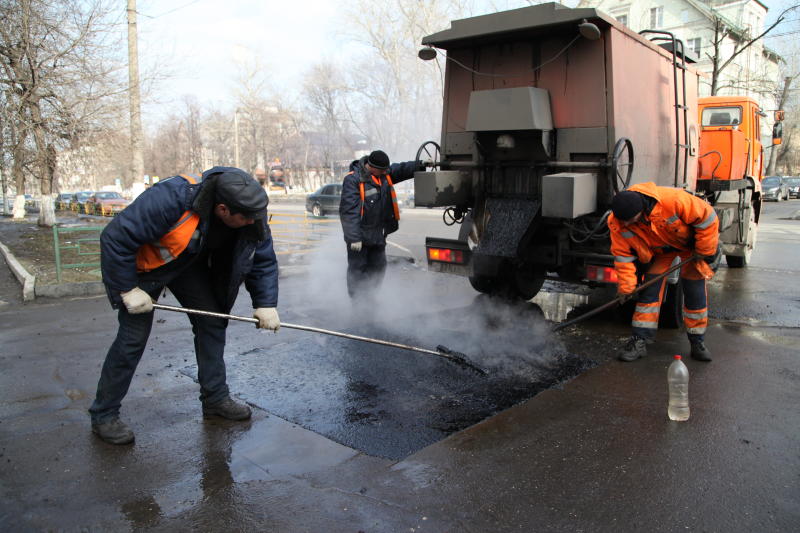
[(633, 349), (700, 352), (227, 408), (114, 431)]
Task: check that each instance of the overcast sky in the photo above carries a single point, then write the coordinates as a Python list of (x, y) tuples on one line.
[(198, 43)]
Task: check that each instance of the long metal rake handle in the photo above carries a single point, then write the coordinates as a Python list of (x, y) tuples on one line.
[(443, 351), (620, 299)]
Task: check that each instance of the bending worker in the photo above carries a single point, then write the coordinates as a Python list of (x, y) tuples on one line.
[(201, 240), (654, 225), (369, 212)]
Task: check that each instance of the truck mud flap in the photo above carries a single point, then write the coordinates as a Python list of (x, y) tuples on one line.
[(509, 220)]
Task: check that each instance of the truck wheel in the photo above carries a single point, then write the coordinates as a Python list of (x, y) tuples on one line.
[(528, 283), (484, 284), (316, 210), (519, 285), (738, 261), (671, 315)]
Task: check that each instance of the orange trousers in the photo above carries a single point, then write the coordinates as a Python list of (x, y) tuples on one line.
[(695, 298)]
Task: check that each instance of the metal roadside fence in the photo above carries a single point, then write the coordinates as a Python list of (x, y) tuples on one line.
[(291, 233), (88, 246)]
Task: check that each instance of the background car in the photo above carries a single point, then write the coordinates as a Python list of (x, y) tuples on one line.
[(775, 188), (78, 200), (105, 203), (63, 200), (324, 200), (794, 186)]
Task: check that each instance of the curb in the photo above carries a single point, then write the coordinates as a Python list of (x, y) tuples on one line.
[(60, 290), (23, 276)]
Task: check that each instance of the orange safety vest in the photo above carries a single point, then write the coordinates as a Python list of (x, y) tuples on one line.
[(678, 220), (155, 254), (377, 182)]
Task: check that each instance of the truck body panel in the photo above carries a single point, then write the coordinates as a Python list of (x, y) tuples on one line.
[(543, 102)]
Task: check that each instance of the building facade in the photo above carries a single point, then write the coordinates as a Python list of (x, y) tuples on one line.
[(700, 24)]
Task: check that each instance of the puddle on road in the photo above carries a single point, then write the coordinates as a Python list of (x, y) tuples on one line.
[(557, 305)]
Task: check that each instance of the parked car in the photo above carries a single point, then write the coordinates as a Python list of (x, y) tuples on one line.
[(794, 186), (32, 205), (775, 188), (78, 201), (105, 203), (324, 200), (63, 200)]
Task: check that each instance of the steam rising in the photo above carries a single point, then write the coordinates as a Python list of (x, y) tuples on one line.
[(426, 309)]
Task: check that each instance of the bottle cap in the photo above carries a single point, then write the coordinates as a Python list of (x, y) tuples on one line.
[(677, 357)]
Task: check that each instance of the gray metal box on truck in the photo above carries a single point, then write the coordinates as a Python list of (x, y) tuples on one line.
[(569, 194)]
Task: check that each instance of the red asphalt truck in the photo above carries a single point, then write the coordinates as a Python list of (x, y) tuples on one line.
[(546, 109)]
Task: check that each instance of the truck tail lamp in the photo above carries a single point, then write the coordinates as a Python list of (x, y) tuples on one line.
[(447, 251), (602, 274), (446, 255)]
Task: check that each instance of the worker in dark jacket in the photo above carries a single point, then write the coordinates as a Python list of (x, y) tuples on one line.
[(655, 225), (369, 212), (200, 240)]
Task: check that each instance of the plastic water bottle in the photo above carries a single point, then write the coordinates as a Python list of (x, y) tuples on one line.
[(678, 381)]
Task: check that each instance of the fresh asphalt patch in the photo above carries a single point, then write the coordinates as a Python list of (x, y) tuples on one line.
[(389, 402)]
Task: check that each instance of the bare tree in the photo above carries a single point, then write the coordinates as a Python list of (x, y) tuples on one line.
[(396, 97), (742, 40), (52, 61)]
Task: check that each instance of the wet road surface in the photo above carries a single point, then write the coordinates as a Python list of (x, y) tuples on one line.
[(594, 453)]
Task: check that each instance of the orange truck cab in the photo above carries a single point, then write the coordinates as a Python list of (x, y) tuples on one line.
[(730, 139), (731, 167)]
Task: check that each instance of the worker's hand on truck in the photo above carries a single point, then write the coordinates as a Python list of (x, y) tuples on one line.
[(355, 246), (137, 301), (267, 318), (714, 259)]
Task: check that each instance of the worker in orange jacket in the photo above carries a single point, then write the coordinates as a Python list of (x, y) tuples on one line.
[(654, 225)]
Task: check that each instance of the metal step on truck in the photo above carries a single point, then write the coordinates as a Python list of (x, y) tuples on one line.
[(546, 109)]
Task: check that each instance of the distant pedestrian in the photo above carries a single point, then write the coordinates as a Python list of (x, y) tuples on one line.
[(653, 225), (200, 240), (369, 212)]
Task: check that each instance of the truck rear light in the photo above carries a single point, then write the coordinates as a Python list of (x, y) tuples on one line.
[(446, 255), (601, 274)]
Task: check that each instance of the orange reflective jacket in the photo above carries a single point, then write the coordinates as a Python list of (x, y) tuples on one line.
[(377, 182), (679, 220), (168, 247)]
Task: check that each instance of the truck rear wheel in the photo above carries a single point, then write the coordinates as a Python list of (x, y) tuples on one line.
[(519, 284), (741, 261)]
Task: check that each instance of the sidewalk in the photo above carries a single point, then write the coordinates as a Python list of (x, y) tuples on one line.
[(599, 455)]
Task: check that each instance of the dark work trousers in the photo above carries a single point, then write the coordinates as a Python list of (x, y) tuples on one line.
[(192, 288), (365, 269)]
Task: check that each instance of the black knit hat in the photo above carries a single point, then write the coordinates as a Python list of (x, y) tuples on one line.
[(627, 204), (378, 159), (241, 193)]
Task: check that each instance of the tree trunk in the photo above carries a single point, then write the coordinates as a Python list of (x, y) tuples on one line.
[(773, 153), (19, 207), (19, 179)]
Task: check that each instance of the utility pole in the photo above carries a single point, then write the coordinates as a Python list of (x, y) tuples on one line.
[(236, 138), (134, 97)]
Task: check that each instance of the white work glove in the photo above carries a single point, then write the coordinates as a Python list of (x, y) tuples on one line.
[(355, 246), (267, 318), (137, 301)]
